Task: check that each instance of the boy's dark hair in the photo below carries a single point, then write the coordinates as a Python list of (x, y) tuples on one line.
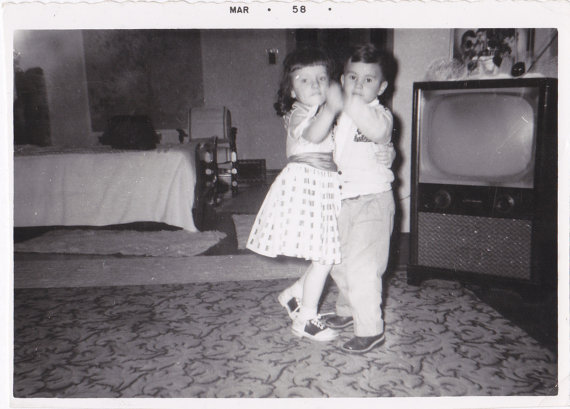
[(368, 53), (302, 57)]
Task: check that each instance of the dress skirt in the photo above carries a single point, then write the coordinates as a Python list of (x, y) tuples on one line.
[(298, 217)]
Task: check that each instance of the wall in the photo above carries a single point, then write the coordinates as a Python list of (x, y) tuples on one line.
[(60, 54), (237, 74), (143, 72), (547, 64), (414, 50)]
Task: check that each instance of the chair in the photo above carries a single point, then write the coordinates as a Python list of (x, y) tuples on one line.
[(215, 122), (228, 168), (206, 195)]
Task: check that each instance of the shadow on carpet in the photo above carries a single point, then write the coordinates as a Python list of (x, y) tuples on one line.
[(243, 224), (232, 339)]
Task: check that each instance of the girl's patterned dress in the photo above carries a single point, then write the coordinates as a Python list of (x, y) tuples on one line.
[(298, 217)]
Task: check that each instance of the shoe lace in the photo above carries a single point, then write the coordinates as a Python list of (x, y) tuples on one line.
[(298, 300), (326, 314), (318, 322)]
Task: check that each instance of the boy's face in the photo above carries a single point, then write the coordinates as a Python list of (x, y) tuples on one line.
[(309, 84), (363, 79)]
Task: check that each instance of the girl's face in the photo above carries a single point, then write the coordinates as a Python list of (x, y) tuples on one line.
[(309, 84), (363, 79)]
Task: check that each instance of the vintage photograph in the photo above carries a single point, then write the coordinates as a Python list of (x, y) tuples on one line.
[(290, 212)]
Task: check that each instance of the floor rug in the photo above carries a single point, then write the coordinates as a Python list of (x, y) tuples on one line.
[(168, 243), (47, 271), (233, 339), (243, 224)]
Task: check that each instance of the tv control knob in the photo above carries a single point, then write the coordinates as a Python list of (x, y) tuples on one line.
[(505, 203), (441, 200)]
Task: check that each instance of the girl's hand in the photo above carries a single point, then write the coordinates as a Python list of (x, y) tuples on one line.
[(335, 101), (386, 154)]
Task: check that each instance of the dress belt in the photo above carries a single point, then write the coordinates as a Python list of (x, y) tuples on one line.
[(319, 160)]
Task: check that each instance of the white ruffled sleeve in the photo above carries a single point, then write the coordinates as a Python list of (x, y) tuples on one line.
[(298, 120)]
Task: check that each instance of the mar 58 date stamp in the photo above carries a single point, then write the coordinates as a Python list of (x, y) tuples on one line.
[(295, 9), (239, 9)]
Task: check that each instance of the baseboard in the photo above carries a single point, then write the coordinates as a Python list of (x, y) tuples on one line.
[(272, 174)]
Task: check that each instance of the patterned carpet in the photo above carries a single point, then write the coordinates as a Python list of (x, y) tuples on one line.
[(232, 339)]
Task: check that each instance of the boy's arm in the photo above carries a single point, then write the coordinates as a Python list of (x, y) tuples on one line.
[(375, 124)]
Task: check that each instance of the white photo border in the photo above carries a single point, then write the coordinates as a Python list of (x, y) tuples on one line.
[(27, 15)]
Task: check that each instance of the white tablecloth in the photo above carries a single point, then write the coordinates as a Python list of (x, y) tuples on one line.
[(102, 186)]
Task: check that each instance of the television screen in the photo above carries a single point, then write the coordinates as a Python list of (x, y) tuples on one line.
[(478, 136)]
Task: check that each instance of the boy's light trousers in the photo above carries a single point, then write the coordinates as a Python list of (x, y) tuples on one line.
[(365, 226)]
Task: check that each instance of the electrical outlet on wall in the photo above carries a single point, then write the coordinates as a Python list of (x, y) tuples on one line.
[(272, 55)]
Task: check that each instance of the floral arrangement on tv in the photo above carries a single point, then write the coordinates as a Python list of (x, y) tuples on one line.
[(480, 53), (486, 49)]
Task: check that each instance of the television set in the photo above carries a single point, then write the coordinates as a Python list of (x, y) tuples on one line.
[(484, 179), (478, 136)]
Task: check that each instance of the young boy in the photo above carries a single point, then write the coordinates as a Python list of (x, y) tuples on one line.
[(363, 153), (366, 218)]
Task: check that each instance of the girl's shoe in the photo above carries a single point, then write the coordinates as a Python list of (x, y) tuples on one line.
[(290, 303), (314, 329)]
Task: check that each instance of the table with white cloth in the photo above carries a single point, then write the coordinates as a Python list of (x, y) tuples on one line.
[(101, 186)]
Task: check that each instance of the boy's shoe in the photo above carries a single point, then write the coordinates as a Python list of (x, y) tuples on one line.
[(314, 329), (290, 303), (338, 321), (360, 345)]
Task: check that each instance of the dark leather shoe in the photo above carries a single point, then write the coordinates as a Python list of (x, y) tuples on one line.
[(360, 345), (338, 322)]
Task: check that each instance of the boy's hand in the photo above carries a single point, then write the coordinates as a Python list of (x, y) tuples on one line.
[(353, 104), (334, 101), (374, 123), (386, 154)]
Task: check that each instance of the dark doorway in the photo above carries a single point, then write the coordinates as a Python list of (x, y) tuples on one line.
[(338, 41)]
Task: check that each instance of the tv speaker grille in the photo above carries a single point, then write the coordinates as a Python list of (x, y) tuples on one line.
[(499, 247)]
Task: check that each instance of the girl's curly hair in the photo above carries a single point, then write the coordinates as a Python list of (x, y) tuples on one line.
[(302, 57)]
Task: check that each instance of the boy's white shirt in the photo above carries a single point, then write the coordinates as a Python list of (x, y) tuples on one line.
[(364, 174)]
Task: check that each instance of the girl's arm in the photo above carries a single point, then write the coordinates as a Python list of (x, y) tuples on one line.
[(375, 124), (386, 154), (320, 126)]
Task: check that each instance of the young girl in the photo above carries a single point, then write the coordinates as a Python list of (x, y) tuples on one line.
[(298, 215)]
